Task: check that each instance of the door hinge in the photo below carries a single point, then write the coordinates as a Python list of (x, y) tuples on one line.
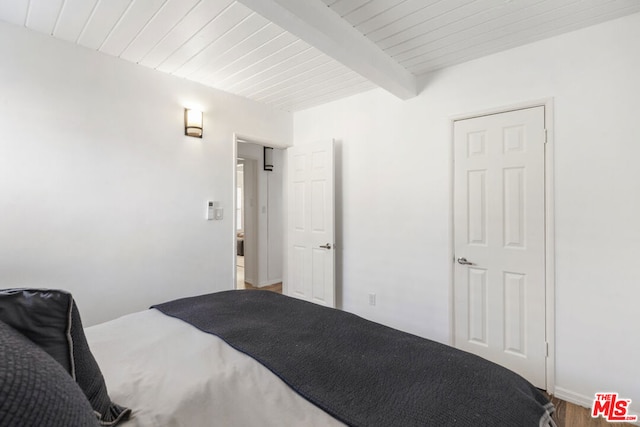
[(546, 136)]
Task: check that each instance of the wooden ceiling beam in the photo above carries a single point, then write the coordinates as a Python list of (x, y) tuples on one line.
[(315, 23)]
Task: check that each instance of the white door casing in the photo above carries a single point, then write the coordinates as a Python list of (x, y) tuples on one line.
[(251, 225), (499, 228), (310, 223)]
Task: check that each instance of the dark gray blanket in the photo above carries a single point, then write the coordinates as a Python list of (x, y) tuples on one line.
[(364, 373)]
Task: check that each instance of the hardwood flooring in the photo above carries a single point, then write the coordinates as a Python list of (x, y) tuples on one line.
[(570, 415), (277, 288), (241, 284)]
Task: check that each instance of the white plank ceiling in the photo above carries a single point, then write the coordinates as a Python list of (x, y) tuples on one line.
[(226, 45)]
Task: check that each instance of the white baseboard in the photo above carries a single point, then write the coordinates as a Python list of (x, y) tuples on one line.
[(575, 398), (585, 401)]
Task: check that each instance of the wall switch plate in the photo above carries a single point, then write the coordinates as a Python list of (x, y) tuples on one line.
[(214, 211), (218, 213), (372, 299)]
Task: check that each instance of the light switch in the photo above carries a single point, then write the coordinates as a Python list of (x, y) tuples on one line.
[(214, 211), (218, 213)]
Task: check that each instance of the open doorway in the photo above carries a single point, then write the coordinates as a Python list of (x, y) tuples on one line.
[(259, 218)]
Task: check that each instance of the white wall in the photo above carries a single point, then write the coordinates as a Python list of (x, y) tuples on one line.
[(394, 170), (270, 218), (100, 191)]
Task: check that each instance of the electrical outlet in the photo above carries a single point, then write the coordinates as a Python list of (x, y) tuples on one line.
[(372, 299)]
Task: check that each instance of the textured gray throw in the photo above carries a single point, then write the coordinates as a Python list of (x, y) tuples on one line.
[(364, 373), (35, 390)]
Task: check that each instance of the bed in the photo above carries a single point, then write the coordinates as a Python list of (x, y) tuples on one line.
[(203, 379), (256, 358)]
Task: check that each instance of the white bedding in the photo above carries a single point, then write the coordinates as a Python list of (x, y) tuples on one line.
[(171, 374)]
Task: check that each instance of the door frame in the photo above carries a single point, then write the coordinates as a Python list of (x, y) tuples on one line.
[(251, 247), (237, 137), (547, 103)]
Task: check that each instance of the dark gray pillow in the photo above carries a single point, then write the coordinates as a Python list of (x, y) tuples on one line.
[(36, 391), (51, 320), (43, 316)]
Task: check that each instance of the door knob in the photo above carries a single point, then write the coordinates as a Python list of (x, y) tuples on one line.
[(327, 246), (464, 261)]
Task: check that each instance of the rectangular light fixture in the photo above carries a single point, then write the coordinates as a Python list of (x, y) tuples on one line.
[(193, 123), (268, 159)]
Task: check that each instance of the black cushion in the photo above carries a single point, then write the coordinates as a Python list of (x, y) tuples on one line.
[(36, 391), (43, 316), (51, 320)]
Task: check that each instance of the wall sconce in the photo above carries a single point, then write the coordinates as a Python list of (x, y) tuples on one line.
[(268, 158), (193, 123)]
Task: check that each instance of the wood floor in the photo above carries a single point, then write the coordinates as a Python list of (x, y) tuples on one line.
[(241, 284), (277, 288), (570, 415)]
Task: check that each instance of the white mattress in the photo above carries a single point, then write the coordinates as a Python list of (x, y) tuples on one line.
[(171, 374)]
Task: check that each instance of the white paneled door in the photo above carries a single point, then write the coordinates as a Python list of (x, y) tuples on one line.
[(499, 240), (311, 235)]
